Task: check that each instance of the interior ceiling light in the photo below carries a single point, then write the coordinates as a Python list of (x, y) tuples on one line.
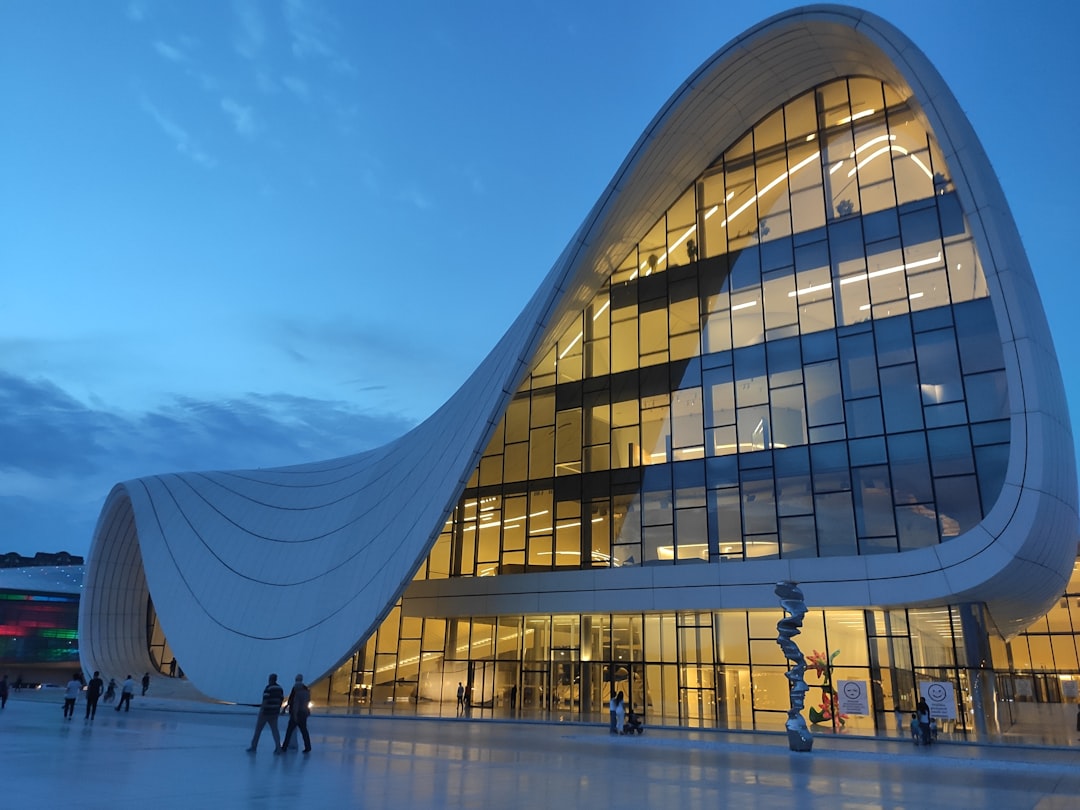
[(855, 117)]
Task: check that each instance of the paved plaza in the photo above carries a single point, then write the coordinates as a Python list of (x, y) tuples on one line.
[(171, 753)]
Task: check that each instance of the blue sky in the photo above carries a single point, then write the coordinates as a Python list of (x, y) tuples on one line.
[(244, 234)]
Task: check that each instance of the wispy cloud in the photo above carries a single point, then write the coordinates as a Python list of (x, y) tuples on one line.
[(415, 198), (472, 177), (185, 144), (243, 118), (298, 87), (311, 31), (136, 11), (250, 35), (183, 54), (170, 52)]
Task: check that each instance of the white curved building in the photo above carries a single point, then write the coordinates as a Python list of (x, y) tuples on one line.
[(796, 338)]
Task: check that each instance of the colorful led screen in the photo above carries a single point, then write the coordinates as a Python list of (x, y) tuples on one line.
[(38, 628)]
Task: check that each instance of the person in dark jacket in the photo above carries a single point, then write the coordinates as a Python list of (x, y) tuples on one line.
[(299, 698), (269, 709), (93, 692), (923, 713)]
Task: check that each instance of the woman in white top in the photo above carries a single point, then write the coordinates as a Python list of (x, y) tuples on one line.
[(71, 693)]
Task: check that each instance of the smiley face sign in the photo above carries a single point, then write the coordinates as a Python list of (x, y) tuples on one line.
[(940, 697)]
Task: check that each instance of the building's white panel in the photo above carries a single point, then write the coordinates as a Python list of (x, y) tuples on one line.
[(288, 570)]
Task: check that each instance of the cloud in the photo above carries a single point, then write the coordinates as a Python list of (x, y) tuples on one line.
[(243, 118), (377, 349), (136, 11), (61, 457), (251, 30), (167, 51), (415, 198), (311, 31), (297, 87), (473, 178), (183, 142)]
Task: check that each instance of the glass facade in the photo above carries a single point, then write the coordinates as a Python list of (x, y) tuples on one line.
[(799, 359), (709, 669)]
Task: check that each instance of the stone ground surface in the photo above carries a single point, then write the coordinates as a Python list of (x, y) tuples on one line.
[(168, 753)]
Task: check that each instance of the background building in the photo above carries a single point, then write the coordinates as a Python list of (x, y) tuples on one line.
[(797, 338), (39, 617)]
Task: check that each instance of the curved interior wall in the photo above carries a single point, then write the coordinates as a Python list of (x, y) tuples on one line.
[(257, 571)]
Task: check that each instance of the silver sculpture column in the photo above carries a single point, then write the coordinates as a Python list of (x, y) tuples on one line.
[(791, 600)]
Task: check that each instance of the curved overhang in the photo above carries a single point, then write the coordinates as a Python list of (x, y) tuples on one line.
[(263, 570)]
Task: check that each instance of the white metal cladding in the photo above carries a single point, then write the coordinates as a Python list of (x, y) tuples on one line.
[(289, 569)]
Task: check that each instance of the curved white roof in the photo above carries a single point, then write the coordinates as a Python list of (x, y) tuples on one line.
[(289, 569)]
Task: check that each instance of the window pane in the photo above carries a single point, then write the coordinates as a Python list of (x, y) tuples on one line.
[(788, 417), (900, 399), (958, 504), (758, 502), (835, 524), (823, 395)]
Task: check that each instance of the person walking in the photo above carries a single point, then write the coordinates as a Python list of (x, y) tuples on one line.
[(299, 709), (110, 691), (127, 692), (4, 689), (620, 712), (145, 683), (269, 709), (613, 729), (93, 692), (460, 696), (71, 694)]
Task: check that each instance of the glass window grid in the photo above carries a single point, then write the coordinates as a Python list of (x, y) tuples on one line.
[(670, 656), (645, 436)]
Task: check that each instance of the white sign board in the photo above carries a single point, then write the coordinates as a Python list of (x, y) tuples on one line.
[(940, 697), (851, 697), (1069, 689)]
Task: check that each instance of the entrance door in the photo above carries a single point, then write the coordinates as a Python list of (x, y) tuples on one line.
[(534, 690), (697, 696), (734, 697), (482, 684), (566, 678)]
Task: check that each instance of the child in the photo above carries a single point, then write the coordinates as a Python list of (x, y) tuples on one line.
[(916, 732)]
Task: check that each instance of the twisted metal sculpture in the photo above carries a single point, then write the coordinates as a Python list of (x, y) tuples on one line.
[(794, 605)]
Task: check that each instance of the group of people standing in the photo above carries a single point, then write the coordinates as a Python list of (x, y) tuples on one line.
[(923, 725), (299, 709)]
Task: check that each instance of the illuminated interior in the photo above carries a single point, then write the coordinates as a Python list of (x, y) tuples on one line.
[(791, 363), (794, 361)]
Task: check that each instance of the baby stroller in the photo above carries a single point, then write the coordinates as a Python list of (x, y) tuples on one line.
[(633, 724)]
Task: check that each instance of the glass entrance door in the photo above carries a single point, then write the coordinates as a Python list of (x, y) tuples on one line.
[(534, 691), (697, 696)]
